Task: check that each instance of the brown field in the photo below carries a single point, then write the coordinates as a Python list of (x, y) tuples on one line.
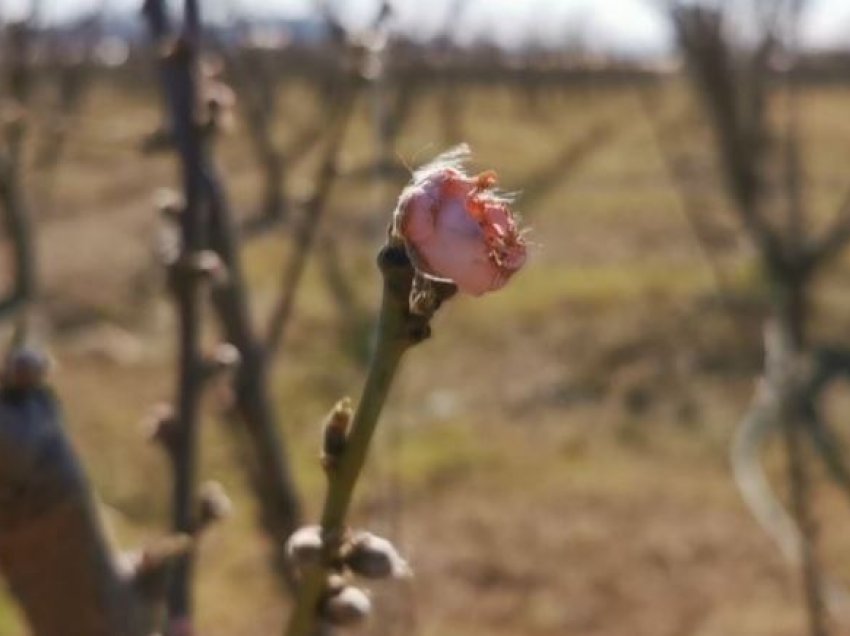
[(554, 461)]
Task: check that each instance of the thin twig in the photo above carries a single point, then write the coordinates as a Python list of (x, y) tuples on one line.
[(308, 228), (690, 206), (556, 171), (822, 251), (267, 463)]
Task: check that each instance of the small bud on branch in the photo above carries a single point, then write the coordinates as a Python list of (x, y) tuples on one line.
[(335, 433), (160, 426), (215, 505), (349, 607), (169, 204), (374, 557), (304, 547), (449, 232)]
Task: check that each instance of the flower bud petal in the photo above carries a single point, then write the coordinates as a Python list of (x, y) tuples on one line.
[(457, 228)]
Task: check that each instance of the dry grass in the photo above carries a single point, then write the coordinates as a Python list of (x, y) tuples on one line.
[(554, 461)]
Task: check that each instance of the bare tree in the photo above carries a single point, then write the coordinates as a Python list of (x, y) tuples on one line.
[(762, 167)]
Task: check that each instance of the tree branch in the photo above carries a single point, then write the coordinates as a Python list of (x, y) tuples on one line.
[(54, 550), (268, 467), (308, 227), (178, 70), (398, 329)]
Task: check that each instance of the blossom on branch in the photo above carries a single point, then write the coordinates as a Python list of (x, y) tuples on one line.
[(458, 227)]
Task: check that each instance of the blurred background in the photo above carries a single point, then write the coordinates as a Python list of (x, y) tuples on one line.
[(556, 459)]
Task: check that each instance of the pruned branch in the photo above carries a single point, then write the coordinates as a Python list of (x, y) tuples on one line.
[(54, 551)]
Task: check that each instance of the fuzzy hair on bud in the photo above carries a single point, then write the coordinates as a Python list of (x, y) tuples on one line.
[(374, 557), (349, 607), (457, 227), (304, 547)]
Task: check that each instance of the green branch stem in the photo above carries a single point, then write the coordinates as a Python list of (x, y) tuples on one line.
[(398, 330)]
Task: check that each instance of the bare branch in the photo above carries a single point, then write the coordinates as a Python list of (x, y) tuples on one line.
[(308, 228), (760, 421), (264, 452), (178, 71), (831, 451), (736, 107), (553, 172), (691, 207), (820, 252)]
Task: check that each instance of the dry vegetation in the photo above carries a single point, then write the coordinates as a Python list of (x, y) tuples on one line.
[(555, 461)]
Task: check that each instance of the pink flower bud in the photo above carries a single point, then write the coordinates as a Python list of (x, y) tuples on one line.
[(457, 227)]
